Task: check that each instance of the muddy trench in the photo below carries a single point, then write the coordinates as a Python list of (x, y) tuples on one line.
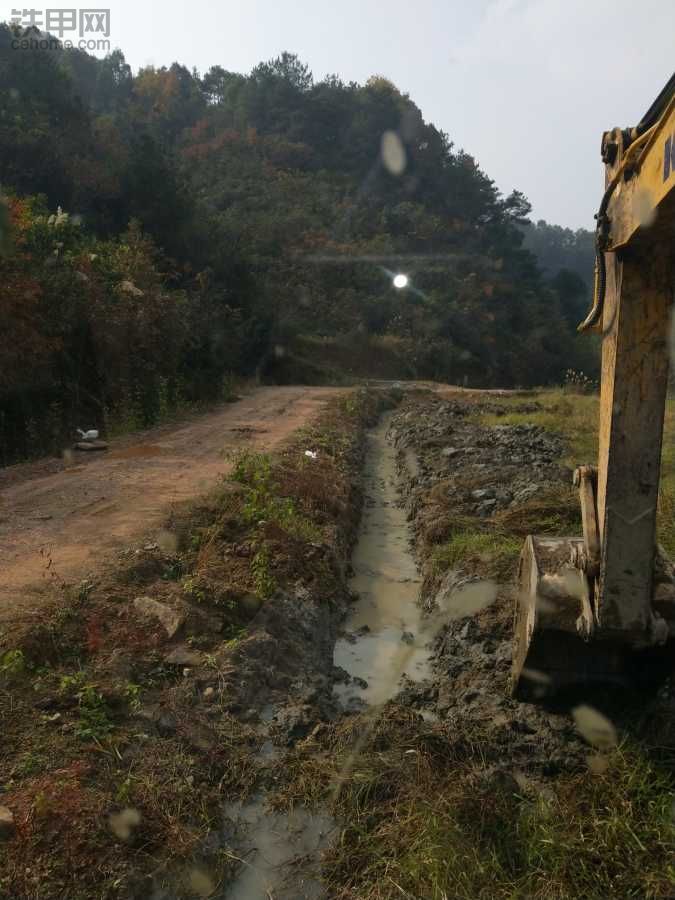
[(382, 643), (436, 644), (386, 648), (385, 638)]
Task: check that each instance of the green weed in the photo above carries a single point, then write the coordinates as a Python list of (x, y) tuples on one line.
[(264, 581), (12, 664), (194, 590), (262, 502), (492, 552), (132, 695), (94, 722)]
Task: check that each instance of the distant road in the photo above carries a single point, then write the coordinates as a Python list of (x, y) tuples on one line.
[(60, 523)]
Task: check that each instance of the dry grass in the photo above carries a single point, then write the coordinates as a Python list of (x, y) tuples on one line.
[(555, 511), (424, 817)]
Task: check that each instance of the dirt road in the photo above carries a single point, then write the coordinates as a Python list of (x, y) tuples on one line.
[(62, 526)]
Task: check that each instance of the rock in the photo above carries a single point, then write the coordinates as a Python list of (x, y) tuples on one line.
[(90, 445), (294, 722), (7, 826), (360, 682), (200, 737), (525, 493), (355, 705), (449, 452), (251, 604), (183, 656), (340, 675), (486, 508), (470, 695), (483, 494), (408, 637), (170, 619), (502, 783), (446, 697), (167, 724), (520, 726), (200, 622), (464, 633), (128, 287)]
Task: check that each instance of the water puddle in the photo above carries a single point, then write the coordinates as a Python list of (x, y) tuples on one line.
[(275, 849), (388, 634), (392, 636)]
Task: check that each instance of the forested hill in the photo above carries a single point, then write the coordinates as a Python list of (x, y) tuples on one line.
[(164, 229)]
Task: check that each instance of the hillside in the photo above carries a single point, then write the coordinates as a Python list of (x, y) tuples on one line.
[(164, 229)]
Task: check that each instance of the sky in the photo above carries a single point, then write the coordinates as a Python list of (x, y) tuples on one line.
[(526, 86)]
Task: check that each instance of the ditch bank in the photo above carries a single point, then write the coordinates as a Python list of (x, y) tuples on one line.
[(472, 493), (144, 712)]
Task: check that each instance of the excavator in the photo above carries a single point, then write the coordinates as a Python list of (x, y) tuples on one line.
[(599, 610)]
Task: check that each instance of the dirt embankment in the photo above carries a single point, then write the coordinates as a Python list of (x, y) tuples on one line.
[(473, 492)]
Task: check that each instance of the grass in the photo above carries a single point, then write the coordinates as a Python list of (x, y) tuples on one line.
[(493, 553), (425, 815), (576, 419)]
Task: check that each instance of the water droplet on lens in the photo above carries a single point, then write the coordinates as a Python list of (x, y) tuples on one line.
[(393, 153)]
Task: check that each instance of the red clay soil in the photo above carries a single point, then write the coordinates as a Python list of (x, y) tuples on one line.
[(60, 521)]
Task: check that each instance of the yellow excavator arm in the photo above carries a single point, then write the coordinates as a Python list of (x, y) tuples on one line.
[(601, 608)]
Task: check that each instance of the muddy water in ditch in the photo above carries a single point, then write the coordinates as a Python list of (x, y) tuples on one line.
[(386, 636)]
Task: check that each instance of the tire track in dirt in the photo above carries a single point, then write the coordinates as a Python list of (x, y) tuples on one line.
[(63, 526)]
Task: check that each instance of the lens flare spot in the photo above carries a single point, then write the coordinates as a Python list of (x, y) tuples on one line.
[(594, 727), (123, 823), (393, 153)]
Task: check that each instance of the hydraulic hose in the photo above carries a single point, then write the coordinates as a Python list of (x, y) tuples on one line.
[(660, 109)]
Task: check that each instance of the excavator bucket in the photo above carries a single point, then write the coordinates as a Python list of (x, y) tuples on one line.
[(558, 649), (553, 622)]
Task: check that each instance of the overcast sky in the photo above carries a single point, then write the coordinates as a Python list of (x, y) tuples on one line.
[(525, 86)]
